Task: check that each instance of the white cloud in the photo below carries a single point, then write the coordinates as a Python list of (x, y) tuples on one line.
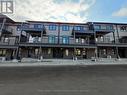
[(121, 12), (48, 10)]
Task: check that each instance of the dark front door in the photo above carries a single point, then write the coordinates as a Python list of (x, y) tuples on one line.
[(58, 53), (122, 53)]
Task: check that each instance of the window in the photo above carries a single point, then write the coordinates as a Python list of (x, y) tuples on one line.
[(25, 26), (49, 50), (77, 40), (109, 27), (2, 52), (51, 39), (103, 27), (38, 26), (97, 27), (66, 52), (78, 52), (31, 26), (52, 27), (83, 40), (36, 51), (78, 28), (65, 40), (6, 40), (65, 28)]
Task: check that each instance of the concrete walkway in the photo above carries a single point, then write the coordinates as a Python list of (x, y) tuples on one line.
[(61, 62)]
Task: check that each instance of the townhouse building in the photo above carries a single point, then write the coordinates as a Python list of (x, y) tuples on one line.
[(41, 39)]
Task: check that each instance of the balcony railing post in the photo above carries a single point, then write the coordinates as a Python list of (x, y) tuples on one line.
[(114, 37), (117, 33)]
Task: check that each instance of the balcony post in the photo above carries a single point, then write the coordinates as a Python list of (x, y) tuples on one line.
[(2, 26), (96, 49), (17, 50), (40, 49), (117, 33), (74, 56), (58, 33), (114, 37), (117, 50)]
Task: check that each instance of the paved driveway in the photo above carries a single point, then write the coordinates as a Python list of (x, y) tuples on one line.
[(64, 80)]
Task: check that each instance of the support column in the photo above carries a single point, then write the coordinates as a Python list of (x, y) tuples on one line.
[(40, 49), (74, 56), (114, 37), (117, 33), (117, 50), (96, 49), (17, 50), (59, 33)]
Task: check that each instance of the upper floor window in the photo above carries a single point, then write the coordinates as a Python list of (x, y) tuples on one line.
[(52, 27), (77, 40), (31, 26), (65, 28), (65, 40), (97, 27), (78, 28), (38, 26), (103, 27), (51, 39), (109, 27), (83, 40), (25, 26)]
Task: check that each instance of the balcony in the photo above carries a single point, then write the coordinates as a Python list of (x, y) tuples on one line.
[(47, 41), (9, 41), (109, 41), (105, 39)]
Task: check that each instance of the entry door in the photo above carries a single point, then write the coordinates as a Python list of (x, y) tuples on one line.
[(58, 53)]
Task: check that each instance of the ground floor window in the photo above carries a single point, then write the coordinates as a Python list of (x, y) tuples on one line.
[(36, 51), (78, 52), (2, 52), (49, 50), (66, 52)]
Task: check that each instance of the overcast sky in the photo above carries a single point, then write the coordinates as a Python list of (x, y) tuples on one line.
[(70, 10)]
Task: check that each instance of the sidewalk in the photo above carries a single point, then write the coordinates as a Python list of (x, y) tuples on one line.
[(62, 62)]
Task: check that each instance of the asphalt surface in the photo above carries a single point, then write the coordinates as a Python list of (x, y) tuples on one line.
[(64, 80)]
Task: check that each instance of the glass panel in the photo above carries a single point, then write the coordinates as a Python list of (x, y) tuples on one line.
[(77, 40), (49, 50), (67, 52), (83, 40), (52, 27), (65, 28), (65, 40), (109, 27), (51, 39), (103, 27), (97, 27), (31, 26), (78, 28), (78, 52)]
